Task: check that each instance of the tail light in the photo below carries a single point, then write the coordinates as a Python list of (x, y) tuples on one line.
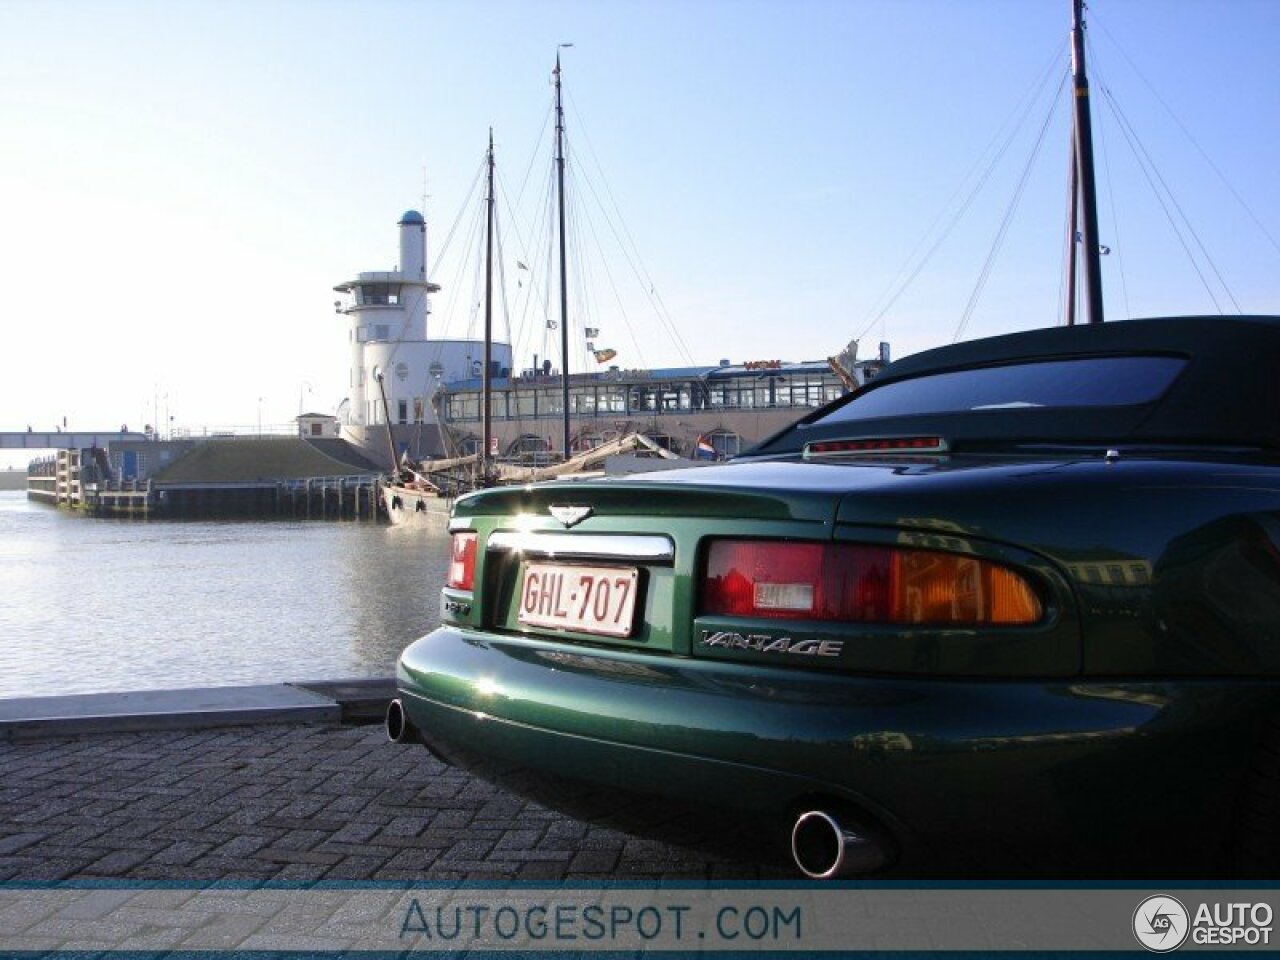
[(858, 583), (462, 560)]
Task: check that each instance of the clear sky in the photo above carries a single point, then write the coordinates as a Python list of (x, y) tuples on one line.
[(183, 182)]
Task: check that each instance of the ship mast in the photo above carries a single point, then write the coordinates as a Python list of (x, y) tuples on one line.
[(1073, 229), (1086, 200), (486, 396), (564, 287)]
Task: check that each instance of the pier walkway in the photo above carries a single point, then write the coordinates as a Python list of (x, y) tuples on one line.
[(282, 796), (66, 440)]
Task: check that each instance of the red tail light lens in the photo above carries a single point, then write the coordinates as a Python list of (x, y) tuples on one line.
[(863, 584), (462, 560)]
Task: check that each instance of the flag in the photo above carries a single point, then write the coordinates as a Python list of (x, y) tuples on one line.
[(604, 356), (703, 450), (591, 346), (521, 265), (1103, 249), (591, 332)]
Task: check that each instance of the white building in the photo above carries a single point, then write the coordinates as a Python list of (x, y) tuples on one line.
[(389, 315)]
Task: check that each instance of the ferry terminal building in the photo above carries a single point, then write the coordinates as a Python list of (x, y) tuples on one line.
[(433, 387)]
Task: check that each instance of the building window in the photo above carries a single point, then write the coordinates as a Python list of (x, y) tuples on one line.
[(525, 405), (727, 444), (417, 409), (550, 403), (382, 331), (378, 294), (402, 408), (582, 401), (464, 406), (613, 400), (316, 430)]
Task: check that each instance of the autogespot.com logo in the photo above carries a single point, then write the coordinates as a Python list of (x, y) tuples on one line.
[(1161, 923)]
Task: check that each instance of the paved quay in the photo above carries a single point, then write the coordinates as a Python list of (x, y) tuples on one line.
[(278, 797)]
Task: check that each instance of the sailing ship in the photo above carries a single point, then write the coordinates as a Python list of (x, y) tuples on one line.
[(420, 494), (690, 413)]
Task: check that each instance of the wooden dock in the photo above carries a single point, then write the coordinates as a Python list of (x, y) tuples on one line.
[(265, 478)]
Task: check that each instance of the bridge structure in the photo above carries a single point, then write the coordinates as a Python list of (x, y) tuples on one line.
[(67, 439)]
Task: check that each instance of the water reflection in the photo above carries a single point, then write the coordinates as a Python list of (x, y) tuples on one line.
[(89, 605)]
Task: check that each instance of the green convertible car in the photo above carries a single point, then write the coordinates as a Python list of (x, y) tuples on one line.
[(1014, 604)]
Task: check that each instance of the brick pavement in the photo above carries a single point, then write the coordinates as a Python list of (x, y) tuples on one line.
[(301, 802)]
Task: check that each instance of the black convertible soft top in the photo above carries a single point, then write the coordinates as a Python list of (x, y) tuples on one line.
[(1228, 393)]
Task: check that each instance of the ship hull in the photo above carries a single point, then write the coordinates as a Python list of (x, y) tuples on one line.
[(408, 507)]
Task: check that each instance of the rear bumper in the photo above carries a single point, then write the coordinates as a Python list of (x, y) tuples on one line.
[(1012, 771)]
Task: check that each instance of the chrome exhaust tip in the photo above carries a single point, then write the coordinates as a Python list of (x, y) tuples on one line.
[(823, 848), (397, 724)]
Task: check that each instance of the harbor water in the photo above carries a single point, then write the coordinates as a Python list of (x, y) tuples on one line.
[(90, 605)]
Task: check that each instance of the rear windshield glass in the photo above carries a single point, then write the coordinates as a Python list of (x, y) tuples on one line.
[(1086, 382)]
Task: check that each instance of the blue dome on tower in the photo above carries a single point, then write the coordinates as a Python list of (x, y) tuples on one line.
[(411, 216)]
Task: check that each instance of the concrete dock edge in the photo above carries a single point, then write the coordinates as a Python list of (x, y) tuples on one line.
[(358, 700)]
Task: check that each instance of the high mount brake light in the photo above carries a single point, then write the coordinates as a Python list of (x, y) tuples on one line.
[(873, 445), (858, 583), (462, 560)]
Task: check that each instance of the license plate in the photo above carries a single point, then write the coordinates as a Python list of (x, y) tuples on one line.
[(599, 600)]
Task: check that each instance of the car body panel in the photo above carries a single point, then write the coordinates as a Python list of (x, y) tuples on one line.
[(996, 762)]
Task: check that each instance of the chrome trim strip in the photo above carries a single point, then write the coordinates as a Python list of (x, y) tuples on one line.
[(932, 450), (653, 548)]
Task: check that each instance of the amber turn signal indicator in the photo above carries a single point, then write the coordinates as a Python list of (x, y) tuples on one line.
[(858, 583)]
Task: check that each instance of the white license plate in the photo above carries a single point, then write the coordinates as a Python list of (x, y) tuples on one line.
[(600, 600)]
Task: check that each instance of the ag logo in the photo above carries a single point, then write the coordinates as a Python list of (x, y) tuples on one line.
[(1161, 923)]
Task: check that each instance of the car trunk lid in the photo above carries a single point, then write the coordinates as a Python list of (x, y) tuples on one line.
[(619, 563)]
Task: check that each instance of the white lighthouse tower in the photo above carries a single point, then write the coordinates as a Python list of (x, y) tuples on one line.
[(389, 313)]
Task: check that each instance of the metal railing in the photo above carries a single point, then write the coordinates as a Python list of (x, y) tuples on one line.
[(238, 430)]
